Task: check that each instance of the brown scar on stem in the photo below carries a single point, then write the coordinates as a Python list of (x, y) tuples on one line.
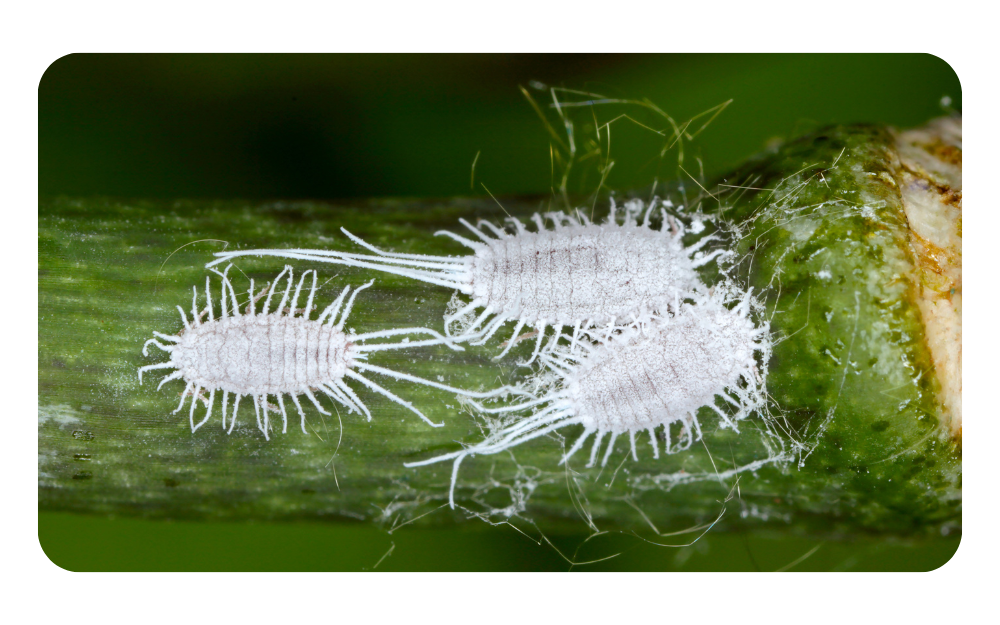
[(930, 170)]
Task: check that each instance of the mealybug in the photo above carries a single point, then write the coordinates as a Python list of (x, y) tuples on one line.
[(278, 353), (629, 379), (578, 274)]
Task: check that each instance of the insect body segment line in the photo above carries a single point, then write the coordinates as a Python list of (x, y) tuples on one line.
[(283, 352)]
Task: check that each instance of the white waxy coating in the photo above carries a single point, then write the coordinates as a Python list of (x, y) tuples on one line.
[(581, 272), (264, 354), (635, 382)]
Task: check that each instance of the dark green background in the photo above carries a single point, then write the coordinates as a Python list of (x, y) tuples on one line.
[(339, 126)]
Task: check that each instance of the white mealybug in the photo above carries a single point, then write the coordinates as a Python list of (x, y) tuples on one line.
[(636, 378), (578, 274), (278, 353)]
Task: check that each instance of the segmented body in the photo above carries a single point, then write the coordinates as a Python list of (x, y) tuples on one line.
[(594, 273), (279, 353), (263, 355), (577, 274), (657, 372), (662, 373)]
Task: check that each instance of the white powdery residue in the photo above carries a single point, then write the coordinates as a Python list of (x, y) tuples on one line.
[(462, 321), (801, 228), (47, 479), (61, 414), (877, 339), (824, 274)]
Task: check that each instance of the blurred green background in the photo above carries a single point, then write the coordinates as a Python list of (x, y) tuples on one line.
[(340, 126)]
